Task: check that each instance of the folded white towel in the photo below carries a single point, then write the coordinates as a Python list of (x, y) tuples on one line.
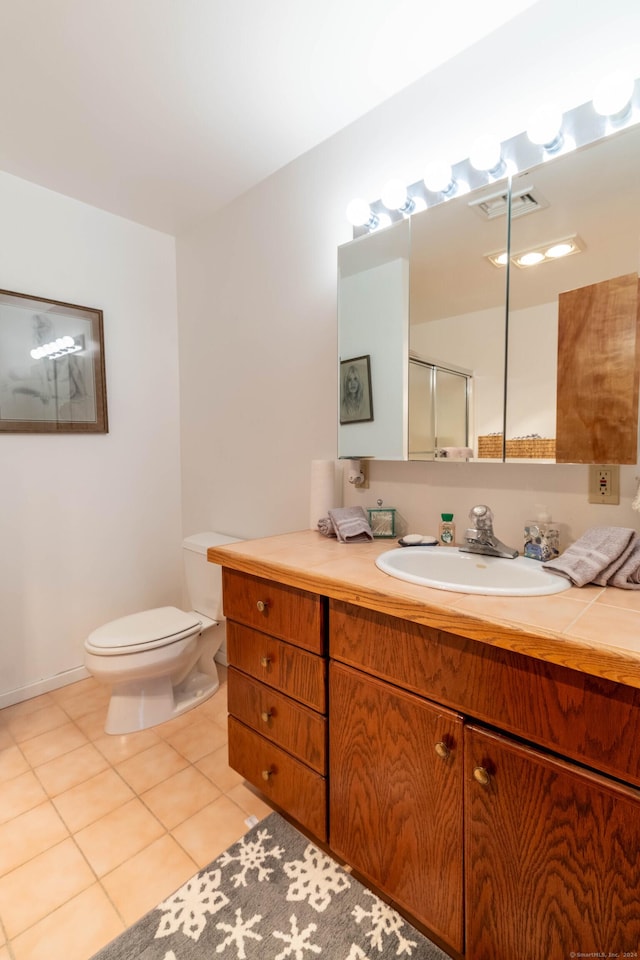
[(351, 524), (595, 556)]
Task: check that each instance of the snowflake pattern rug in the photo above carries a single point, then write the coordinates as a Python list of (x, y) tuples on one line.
[(272, 896)]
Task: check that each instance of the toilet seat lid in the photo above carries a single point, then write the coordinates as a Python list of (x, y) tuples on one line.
[(149, 628)]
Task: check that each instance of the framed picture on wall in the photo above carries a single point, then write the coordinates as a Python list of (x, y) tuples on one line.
[(52, 372), (356, 400)]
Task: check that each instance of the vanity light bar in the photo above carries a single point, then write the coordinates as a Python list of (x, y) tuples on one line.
[(542, 253), (616, 105)]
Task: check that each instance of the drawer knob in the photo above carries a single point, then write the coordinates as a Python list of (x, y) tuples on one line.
[(442, 750), (482, 775), (266, 774), (265, 661), (266, 715), (263, 605)]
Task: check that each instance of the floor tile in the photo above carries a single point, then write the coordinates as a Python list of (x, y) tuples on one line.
[(19, 795), (91, 800), (72, 768), (51, 879), (24, 726), (12, 763), (180, 796), (119, 748), (249, 800), (28, 835), (152, 766), (211, 830), (148, 878), (47, 746), (118, 835), (216, 767), (198, 739), (81, 698), (92, 724), (75, 931)]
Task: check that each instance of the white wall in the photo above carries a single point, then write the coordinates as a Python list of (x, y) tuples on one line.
[(257, 292), (89, 525)]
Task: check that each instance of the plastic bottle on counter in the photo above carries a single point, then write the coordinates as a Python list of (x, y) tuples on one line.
[(541, 537), (447, 529)]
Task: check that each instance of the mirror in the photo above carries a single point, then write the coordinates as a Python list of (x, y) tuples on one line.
[(458, 316), (373, 323), (556, 373)]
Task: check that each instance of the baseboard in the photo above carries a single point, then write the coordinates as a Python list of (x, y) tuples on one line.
[(42, 686)]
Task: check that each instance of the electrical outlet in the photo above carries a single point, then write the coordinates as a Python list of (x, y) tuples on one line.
[(604, 483)]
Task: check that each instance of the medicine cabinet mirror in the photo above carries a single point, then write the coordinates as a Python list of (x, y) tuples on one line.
[(545, 356)]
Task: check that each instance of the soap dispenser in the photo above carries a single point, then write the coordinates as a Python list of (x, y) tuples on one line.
[(447, 529)]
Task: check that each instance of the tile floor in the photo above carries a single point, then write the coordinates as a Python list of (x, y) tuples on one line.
[(95, 830)]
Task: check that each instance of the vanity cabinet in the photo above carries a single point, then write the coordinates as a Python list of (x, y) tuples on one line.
[(491, 795), (551, 848), (277, 692)]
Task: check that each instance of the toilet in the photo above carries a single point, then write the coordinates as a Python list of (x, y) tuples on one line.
[(160, 663)]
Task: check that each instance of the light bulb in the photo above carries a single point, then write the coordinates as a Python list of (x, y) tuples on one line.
[(502, 259), (559, 250), (613, 95), (438, 176), (530, 259), (394, 195), (380, 220), (486, 154), (544, 127), (358, 212)]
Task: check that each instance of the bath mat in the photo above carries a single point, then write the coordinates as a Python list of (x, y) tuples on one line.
[(271, 896)]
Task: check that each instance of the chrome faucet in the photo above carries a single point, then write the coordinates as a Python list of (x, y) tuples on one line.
[(480, 537)]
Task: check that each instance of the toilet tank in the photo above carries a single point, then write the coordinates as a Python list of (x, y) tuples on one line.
[(203, 580)]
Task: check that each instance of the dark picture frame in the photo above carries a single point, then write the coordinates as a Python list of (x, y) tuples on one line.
[(356, 398), (52, 369)]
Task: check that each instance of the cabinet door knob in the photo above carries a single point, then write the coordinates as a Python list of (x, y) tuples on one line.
[(263, 605), (442, 750), (266, 774), (482, 775), (265, 661), (266, 715)]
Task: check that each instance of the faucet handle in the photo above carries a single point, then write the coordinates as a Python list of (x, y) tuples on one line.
[(481, 515)]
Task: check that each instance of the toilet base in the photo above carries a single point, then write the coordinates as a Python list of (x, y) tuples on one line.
[(146, 703)]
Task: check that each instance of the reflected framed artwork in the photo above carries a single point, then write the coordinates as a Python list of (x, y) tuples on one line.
[(356, 400), (52, 370)]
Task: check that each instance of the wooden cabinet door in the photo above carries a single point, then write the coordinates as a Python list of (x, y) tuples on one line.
[(552, 856), (395, 791)]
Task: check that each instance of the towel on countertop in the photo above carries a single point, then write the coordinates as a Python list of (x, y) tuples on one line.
[(326, 527), (595, 557), (627, 575), (350, 524)]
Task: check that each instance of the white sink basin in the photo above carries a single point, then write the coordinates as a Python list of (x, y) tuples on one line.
[(447, 568)]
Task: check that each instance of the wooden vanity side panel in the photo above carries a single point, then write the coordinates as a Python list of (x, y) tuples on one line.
[(597, 402), (586, 718), (552, 856), (289, 613)]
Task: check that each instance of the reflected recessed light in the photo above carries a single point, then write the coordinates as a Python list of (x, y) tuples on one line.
[(529, 259), (559, 250)]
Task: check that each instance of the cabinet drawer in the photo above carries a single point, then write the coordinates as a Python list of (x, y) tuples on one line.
[(277, 718), (285, 781), (285, 612), (290, 670)]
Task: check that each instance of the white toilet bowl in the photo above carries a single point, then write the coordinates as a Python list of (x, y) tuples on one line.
[(160, 662)]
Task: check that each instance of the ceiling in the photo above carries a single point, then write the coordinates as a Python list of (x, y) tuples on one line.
[(163, 111)]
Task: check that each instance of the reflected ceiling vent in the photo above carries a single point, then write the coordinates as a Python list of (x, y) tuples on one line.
[(524, 200)]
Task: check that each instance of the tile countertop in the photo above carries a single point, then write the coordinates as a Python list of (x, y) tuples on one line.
[(592, 629)]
